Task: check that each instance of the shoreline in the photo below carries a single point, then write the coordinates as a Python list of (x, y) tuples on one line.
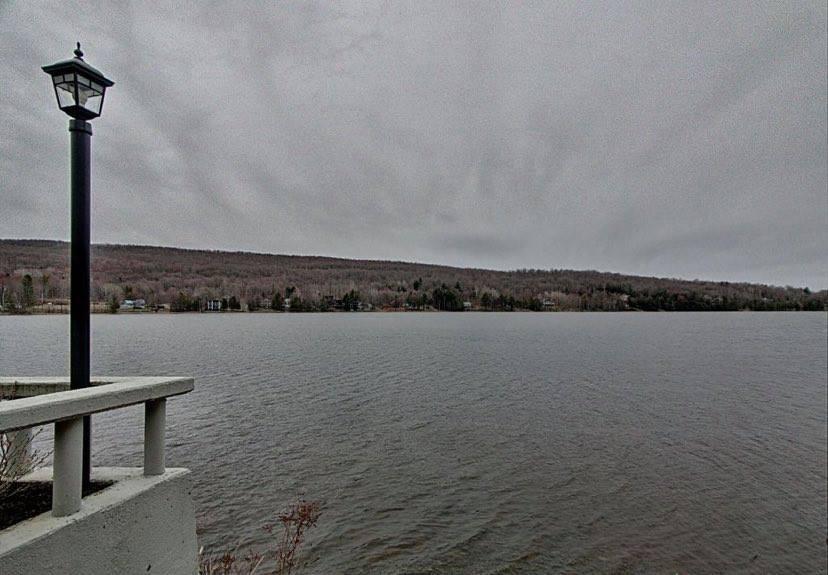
[(399, 311)]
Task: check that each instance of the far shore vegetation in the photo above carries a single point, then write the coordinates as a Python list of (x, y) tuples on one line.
[(34, 278)]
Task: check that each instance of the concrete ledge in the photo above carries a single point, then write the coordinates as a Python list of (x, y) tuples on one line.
[(138, 525)]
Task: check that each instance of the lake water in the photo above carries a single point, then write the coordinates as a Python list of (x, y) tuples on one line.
[(485, 443)]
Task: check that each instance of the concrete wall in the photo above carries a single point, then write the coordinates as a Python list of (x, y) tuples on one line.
[(139, 525)]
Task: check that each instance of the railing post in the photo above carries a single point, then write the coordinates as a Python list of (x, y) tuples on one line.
[(68, 467), (155, 415)]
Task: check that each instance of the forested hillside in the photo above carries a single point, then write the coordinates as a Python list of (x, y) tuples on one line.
[(33, 272)]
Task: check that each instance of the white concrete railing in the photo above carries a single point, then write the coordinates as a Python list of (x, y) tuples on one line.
[(40, 403)]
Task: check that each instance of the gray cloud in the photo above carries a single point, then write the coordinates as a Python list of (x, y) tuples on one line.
[(667, 138)]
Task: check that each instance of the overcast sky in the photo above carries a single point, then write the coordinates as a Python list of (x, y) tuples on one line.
[(681, 139)]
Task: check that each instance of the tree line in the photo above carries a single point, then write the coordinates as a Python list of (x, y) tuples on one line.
[(34, 272)]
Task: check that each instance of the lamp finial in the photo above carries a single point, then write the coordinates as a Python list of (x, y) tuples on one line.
[(78, 53)]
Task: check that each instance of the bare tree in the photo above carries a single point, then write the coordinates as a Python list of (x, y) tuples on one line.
[(295, 521), (44, 287), (300, 516), (17, 459)]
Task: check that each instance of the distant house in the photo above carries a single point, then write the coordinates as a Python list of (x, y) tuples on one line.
[(287, 304), (467, 306), (548, 304), (133, 304), (213, 305)]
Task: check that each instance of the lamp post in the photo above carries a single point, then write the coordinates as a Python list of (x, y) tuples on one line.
[(80, 89)]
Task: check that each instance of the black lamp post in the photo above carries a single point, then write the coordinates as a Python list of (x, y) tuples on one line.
[(80, 92)]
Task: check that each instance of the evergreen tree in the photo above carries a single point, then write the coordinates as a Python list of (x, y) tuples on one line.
[(350, 301), (27, 285), (486, 301), (446, 299)]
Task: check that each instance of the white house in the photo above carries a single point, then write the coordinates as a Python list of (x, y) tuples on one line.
[(213, 305)]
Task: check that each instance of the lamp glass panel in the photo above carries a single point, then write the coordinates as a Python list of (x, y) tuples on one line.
[(65, 93), (89, 98), (93, 103)]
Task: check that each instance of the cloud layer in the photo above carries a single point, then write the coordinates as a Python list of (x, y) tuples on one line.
[(675, 139)]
